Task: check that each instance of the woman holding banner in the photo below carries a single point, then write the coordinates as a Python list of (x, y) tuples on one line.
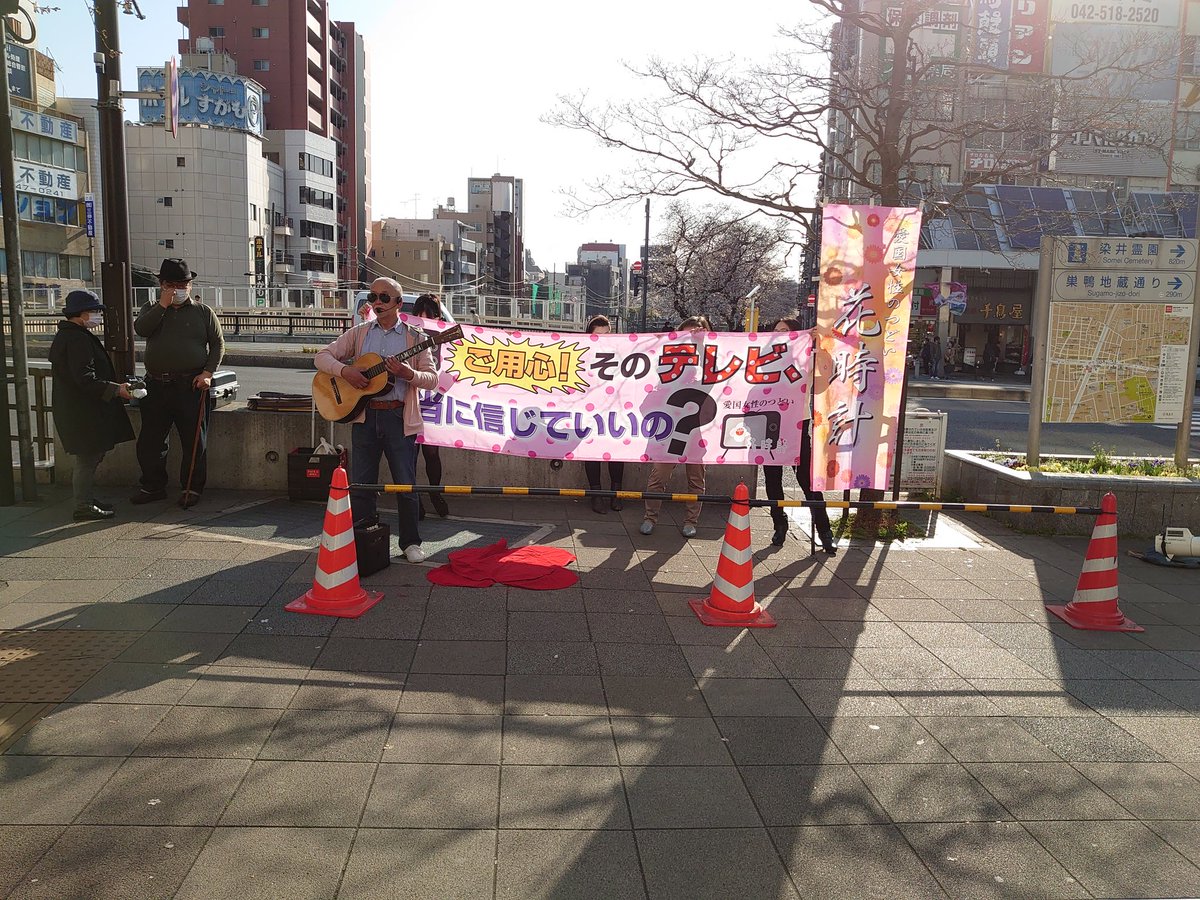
[(591, 468), (660, 473), (773, 475)]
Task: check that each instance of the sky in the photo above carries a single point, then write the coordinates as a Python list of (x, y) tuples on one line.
[(458, 90)]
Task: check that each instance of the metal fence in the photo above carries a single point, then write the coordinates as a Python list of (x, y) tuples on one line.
[(40, 417)]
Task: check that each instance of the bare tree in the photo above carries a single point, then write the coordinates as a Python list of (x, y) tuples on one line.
[(708, 259), (878, 99)]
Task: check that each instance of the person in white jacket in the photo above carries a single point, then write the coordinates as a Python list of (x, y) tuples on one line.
[(392, 420)]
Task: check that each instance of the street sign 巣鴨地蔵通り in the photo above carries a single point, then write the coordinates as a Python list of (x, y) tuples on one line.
[(1130, 287), (1126, 253)]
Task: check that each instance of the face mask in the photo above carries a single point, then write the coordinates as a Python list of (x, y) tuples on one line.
[(96, 320), (180, 296)]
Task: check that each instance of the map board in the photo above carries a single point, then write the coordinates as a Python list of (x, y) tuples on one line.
[(1118, 342)]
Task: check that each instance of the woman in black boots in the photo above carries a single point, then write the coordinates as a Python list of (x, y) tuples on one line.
[(616, 470), (427, 306), (773, 475)]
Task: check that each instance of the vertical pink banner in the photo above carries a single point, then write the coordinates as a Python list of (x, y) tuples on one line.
[(868, 257)]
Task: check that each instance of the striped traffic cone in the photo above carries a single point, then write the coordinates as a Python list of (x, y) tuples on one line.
[(335, 590), (731, 601), (1094, 606)]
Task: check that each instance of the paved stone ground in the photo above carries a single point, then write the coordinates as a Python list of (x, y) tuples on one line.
[(915, 727)]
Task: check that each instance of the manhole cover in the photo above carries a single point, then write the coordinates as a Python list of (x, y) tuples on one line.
[(299, 525)]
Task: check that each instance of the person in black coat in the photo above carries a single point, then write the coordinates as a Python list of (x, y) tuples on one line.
[(88, 411), (773, 476)]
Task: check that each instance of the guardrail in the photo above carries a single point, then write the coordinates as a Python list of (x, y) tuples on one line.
[(41, 409), (231, 323)]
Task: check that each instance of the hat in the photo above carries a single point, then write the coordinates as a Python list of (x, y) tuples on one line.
[(80, 302), (175, 270)]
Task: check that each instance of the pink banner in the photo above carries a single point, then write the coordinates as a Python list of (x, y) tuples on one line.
[(868, 256), (677, 397)]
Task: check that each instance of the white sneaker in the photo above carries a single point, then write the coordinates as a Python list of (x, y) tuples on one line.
[(414, 554), (689, 531)]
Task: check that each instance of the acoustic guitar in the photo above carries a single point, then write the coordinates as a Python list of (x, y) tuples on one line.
[(339, 401)]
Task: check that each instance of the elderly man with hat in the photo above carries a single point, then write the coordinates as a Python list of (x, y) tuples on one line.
[(184, 346), (88, 412)]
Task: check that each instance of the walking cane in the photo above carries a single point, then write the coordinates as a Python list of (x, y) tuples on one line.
[(187, 491)]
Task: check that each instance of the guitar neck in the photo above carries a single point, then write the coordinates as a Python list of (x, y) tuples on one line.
[(399, 357)]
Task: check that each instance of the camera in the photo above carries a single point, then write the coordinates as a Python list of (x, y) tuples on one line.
[(137, 388)]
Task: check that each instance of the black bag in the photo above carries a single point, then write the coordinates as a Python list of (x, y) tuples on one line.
[(309, 474), (373, 548)]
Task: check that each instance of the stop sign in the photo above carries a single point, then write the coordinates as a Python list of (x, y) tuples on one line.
[(637, 266)]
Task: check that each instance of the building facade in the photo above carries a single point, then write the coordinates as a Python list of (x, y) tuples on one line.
[(421, 253), (204, 196), (496, 206), (1066, 118), (305, 249), (313, 70)]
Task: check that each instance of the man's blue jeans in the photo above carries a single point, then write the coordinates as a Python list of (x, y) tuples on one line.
[(382, 434)]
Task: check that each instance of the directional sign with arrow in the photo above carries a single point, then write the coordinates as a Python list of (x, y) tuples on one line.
[(1127, 287), (1126, 253)]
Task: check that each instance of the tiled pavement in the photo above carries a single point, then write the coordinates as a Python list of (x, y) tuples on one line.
[(915, 726)]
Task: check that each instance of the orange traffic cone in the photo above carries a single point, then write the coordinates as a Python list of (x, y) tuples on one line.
[(335, 590), (1094, 606), (731, 601)]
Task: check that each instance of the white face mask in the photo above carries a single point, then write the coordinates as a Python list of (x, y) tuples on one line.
[(95, 320), (179, 296)]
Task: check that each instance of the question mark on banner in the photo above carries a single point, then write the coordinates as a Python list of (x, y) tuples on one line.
[(706, 411)]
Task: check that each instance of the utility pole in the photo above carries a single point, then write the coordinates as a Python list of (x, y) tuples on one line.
[(115, 273), (16, 300), (646, 268)]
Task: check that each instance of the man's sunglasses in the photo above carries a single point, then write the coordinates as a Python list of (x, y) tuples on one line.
[(382, 295)]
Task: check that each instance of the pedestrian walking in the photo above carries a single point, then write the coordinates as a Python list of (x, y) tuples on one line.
[(938, 358), (926, 356), (427, 306), (773, 476), (89, 414), (660, 473), (392, 420), (591, 468), (184, 346)]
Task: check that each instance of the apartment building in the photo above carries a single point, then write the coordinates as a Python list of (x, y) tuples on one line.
[(313, 70)]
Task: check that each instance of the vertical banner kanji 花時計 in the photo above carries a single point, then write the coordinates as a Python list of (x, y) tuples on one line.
[(868, 257), (712, 398)]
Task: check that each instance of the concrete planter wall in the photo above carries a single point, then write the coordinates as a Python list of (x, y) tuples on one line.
[(1144, 504), (247, 450)]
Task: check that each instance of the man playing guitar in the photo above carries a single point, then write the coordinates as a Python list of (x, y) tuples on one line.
[(391, 421)]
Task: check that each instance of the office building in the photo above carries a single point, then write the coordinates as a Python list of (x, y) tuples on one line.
[(1040, 168), (54, 164)]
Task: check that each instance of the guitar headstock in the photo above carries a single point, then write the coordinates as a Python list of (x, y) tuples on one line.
[(450, 334)]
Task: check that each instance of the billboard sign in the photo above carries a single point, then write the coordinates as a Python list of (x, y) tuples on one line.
[(1027, 43), (89, 213), (46, 126), (20, 75), (1155, 13), (46, 181), (205, 98)]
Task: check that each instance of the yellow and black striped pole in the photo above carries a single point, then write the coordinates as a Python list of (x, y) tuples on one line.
[(578, 493)]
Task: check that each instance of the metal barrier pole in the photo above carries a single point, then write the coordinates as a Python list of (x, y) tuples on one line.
[(578, 493)]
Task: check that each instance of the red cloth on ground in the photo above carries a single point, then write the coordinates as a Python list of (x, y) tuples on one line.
[(533, 568)]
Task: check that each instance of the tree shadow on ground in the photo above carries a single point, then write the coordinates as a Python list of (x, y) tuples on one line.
[(547, 744)]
